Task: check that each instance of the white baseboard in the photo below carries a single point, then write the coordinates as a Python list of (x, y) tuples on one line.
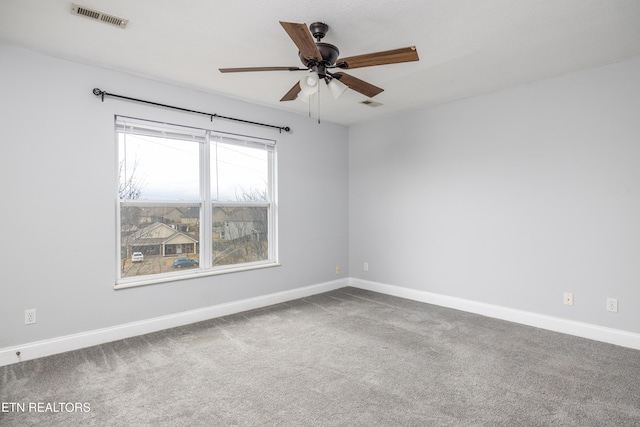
[(556, 324), (65, 343), (100, 336)]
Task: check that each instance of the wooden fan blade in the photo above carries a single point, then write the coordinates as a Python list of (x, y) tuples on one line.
[(367, 89), (301, 36), (292, 94), (406, 54), (242, 70)]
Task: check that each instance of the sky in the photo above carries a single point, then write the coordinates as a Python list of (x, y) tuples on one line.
[(168, 169)]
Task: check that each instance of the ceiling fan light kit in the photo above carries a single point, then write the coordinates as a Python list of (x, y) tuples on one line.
[(337, 88), (304, 97), (319, 57), (309, 84)]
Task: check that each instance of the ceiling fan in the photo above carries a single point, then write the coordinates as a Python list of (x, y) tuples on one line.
[(320, 57)]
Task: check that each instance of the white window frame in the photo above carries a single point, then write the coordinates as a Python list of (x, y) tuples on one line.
[(205, 203)]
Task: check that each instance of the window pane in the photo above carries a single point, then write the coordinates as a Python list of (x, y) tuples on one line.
[(153, 237), (154, 168), (239, 173), (240, 234), (171, 176)]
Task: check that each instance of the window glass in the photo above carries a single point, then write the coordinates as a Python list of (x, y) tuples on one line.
[(191, 199), (157, 167), (240, 173), (152, 237), (240, 235)]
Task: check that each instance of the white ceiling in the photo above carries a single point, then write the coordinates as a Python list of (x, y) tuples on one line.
[(466, 47)]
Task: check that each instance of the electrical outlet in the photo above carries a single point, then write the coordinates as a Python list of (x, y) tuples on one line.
[(612, 305), (337, 269), (30, 316), (365, 267), (568, 298)]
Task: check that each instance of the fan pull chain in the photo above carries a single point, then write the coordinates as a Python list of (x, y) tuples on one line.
[(318, 93)]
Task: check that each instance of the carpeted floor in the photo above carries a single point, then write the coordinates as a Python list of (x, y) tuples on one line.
[(344, 358)]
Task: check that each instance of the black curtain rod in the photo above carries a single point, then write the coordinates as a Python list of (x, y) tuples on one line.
[(103, 93)]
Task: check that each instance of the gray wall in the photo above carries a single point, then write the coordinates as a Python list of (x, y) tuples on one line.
[(510, 198), (58, 175)]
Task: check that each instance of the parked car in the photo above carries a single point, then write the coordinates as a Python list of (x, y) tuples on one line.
[(184, 262), (137, 257)]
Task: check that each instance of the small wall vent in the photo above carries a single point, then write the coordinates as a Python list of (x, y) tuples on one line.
[(371, 103), (97, 15)]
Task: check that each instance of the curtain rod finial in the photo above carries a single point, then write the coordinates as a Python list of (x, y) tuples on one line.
[(98, 92)]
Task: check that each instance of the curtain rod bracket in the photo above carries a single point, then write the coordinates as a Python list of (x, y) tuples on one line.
[(103, 93)]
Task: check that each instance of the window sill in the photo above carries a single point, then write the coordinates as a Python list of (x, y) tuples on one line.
[(174, 277)]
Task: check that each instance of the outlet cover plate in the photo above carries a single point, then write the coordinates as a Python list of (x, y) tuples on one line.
[(568, 298), (30, 316)]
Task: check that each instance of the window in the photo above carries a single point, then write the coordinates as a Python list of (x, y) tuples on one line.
[(192, 201)]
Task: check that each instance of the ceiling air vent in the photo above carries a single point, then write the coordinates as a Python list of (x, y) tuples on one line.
[(371, 103), (97, 15)]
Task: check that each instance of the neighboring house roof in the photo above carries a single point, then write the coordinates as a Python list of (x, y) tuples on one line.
[(174, 214), (156, 234), (159, 214), (192, 212), (239, 214)]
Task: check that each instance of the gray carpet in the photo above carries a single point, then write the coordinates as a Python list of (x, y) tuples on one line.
[(344, 358)]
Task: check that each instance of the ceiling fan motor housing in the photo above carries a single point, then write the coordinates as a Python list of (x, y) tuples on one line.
[(328, 51), (329, 55)]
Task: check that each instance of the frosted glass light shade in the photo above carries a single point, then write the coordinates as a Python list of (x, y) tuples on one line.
[(337, 88), (304, 97), (309, 84)]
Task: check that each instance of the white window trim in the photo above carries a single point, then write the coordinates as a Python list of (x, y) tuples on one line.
[(205, 252), (192, 274)]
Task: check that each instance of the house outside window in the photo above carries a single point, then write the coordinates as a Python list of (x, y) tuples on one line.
[(203, 197)]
